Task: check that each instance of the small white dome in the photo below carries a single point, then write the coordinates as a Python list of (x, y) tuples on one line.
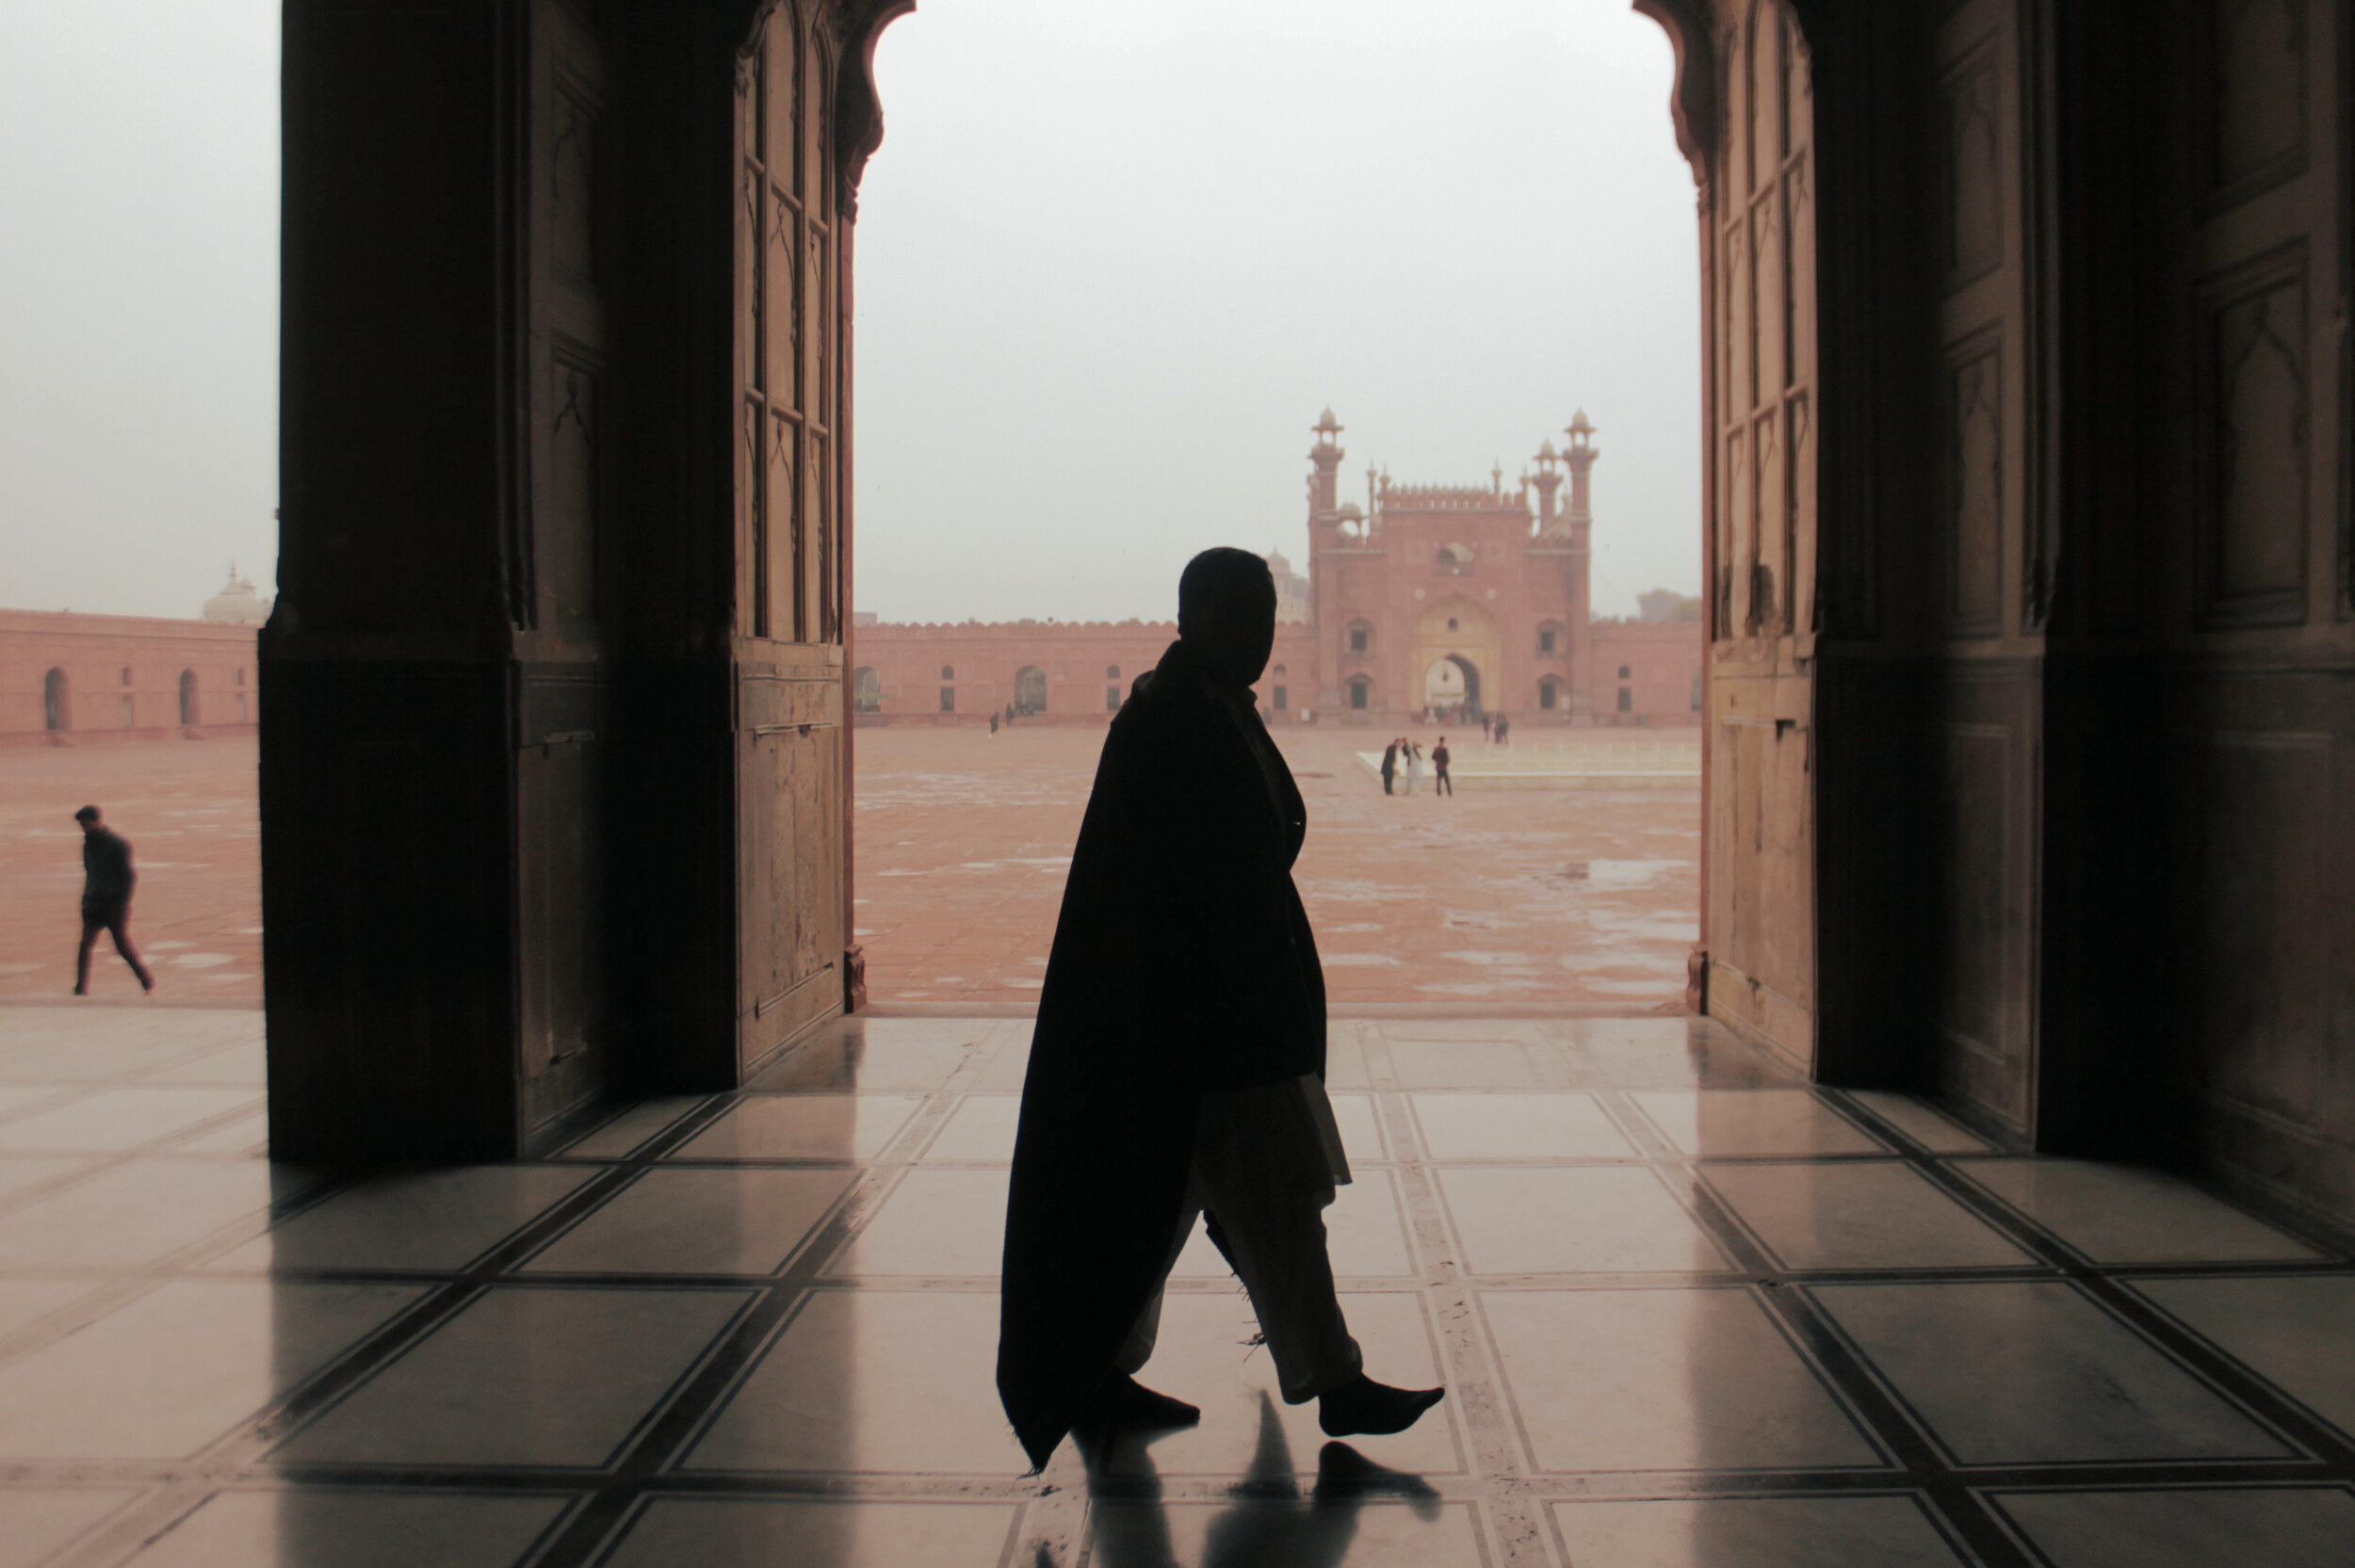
[(237, 603)]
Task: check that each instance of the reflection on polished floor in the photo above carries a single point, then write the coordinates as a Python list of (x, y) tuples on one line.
[(1690, 1311)]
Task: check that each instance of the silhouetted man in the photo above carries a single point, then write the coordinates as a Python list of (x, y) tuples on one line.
[(1390, 766), (106, 882), (1441, 784), (1177, 1066)]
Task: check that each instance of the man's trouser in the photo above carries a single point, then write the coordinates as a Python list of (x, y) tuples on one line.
[(1445, 784), (117, 923), (1261, 1170)]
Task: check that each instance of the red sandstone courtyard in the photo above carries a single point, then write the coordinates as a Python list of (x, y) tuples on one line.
[(1544, 900)]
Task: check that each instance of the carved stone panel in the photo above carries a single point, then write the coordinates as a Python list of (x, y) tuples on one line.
[(1974, 489), (1974, 994), (572, 184), (2257, 61), (2254, 442), (2258, 898), (1770, 576), (568, 515), (1971, 213)]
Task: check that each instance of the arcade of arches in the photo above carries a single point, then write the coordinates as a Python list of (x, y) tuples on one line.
[(2030, 545)]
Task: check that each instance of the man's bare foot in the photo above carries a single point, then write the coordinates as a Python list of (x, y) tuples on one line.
[(1124, 1404), (1363, 1407), (81, 991)]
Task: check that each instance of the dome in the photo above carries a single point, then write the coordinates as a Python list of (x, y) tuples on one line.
[(1578, 424), (1278, 566), (237, 604)]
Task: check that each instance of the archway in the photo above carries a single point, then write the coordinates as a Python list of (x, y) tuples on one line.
[(1451, 685), (866, 690), (1030, 689), (55, 713), (187, 698)]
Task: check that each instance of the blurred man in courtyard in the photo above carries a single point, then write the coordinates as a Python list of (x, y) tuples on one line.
[(106, 882)]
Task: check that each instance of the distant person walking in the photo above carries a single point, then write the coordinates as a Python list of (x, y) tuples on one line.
[(1440, 783), (106, 882), (993, 726), (1500, 729), (1414, 766), (1390, 766)]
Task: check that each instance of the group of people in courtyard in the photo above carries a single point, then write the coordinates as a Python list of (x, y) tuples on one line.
[(1405, 754)]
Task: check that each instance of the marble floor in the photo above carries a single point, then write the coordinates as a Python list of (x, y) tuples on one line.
[(1689, 1311)]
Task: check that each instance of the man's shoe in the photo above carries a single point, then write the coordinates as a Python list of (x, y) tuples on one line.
[(81, 991), (1124, 1404), (1363, 1407)]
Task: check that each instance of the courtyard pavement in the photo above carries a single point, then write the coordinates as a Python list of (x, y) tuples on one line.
[(1538, 901), (1689, 1311), (1554, 902)]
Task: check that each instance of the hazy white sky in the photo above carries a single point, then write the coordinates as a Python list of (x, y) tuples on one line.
[(138, 301), (1113, 258)]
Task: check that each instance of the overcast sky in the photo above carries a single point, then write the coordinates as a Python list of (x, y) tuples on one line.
[(1113, 258)]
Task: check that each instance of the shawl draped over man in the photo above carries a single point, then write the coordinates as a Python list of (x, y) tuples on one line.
[(1182, 964)]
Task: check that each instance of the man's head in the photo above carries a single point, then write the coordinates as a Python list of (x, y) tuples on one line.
[(1226, 612), (88, 817)]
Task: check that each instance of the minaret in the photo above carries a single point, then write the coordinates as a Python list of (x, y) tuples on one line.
[(1547, 479), (1325, 540), (1579, 457), (1323, 489)]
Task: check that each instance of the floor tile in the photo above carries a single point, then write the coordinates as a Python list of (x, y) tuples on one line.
[(1663, 1053), (1358, 1120), (1307, 1531), (1365, 1235), (1664, 1380), (804, 1126), (855, 1384), (324, 1528), (2124, 1214), (2011, 1371), (19, 1171), (1517, 1126), (439, 1219), (1205, 1355), (15, 1098), (120, 1118), (168, 1373), (1463, 1064), (982, 1127), (1736, 1121), (1007, 1069), (548, 1375), (843, 1064), (2298, 1332), (2198, 1527), (743, 1532), (935, 1221), (625, 1134), (699, 1222), (1592, 1219), (42, 1520), (244, 1066), (1858, 1214), (135, 1212), (246, 1134), (26, 1301), (1345, 1060), (1927, 1127), (1753, 1532)]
